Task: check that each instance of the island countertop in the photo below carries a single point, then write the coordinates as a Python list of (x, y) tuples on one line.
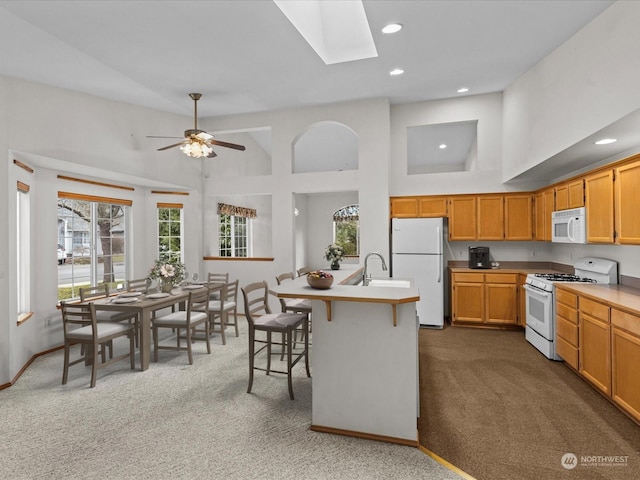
[(345, 289), (364, 357)]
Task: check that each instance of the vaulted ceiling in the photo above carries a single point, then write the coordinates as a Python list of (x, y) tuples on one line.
[(245, 56)]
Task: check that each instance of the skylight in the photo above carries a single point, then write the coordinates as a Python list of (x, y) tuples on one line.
[(337, 31)]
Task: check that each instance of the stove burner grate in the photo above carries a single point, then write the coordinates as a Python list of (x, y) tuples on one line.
[(564, 277)]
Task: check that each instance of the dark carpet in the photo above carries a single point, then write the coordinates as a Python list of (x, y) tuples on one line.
[(496, 408)]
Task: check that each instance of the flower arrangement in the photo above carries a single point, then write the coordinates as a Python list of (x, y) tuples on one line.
[(335, 254), (169, 270)]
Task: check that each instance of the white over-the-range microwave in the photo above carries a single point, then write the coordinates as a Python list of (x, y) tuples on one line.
[(569, 226)]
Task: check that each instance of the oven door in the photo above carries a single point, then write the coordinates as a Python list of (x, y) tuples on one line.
[(540, 311)]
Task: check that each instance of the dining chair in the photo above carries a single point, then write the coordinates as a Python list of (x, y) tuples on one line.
[(217, 278), (187, 320), (295, 305), (80, 326), (138, 285), (88, 294), (220, 309), (303, 271), (261, 319)]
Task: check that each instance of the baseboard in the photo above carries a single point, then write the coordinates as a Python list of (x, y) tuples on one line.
[(26, 365), (368, 436)]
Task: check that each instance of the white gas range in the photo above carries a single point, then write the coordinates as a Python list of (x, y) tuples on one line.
[(540, 330)]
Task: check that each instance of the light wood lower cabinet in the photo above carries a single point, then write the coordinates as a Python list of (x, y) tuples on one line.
[(468, 297), (595, 351), (567, 338), (489, 299), (625, 361)]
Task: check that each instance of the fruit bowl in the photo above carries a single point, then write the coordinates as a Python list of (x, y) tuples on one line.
[(319, 279)]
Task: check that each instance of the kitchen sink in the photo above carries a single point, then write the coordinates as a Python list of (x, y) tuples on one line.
[(389, 282)]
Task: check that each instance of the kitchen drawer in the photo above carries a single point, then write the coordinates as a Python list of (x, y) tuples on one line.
[(569, 299), (567, 330), (567, 352), (626, 321), (501, 278), (468, 277), (567, 313), (594, 309)]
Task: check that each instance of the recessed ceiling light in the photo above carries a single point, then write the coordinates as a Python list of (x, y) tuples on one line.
[(396, 71), (442, 146), (606, 141), (392, 28), (463, 90)]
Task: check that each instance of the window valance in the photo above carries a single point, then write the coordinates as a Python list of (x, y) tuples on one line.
[(350, 213), (226, 209)]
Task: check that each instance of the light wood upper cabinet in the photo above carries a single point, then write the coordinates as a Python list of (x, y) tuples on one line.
[(569, 195), (490, 217), (404, 207), (627, 203), (576, 193), (432, 206), (462, 217), (599, 206), (544, 207), (419, 206), (518, 217)]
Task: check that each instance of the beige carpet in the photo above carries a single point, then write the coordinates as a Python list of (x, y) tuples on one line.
[(176, 421), (498, 409)]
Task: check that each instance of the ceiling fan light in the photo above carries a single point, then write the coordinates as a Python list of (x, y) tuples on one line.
[(196, 149)]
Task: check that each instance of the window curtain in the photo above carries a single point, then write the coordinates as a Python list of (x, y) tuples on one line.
[(226, 209), (350, 213)]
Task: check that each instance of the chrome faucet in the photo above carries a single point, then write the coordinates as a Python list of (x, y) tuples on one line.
[(365, 276)]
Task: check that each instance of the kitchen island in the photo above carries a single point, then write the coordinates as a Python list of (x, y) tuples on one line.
[(364, 357)]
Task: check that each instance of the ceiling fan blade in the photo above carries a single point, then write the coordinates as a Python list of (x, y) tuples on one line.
[(170, 146), (212, 154), (235, 146), (158, 136)]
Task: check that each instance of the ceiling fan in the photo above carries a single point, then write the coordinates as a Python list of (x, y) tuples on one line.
[(198, 143)]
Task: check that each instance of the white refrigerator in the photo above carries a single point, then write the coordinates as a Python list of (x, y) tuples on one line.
[(416, 252)]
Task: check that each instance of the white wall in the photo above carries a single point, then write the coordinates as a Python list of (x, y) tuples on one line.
[(586, 84), (487, 164), (56, 131), (320, 209), (369, 120)]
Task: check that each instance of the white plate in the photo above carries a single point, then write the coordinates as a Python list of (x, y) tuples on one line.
[(158, 295), (130, 294), (193, 287), (125, 300)]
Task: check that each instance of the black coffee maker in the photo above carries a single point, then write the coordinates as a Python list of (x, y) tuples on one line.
[(479, 257)]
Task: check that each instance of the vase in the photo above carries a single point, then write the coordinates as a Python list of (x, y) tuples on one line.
[(335, 265), (166, 285)]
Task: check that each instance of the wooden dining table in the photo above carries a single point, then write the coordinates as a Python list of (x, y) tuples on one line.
[(144, 306)]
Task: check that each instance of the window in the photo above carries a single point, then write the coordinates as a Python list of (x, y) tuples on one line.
[(234, 230), (23, 242), (346, 229), (93, 232), (170, 230), (233, 236)]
